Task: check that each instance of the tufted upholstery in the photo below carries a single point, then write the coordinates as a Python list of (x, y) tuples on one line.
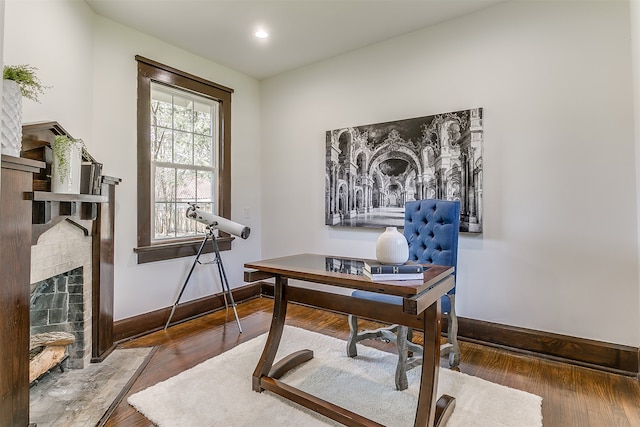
[(431, 229)]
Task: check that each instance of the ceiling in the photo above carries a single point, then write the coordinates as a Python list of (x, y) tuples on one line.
[(301, 31)]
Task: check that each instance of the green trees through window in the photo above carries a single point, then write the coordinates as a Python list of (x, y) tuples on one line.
[(183, 147), (184, 156)]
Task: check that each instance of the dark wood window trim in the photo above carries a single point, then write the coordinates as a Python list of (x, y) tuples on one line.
[(148, 71)]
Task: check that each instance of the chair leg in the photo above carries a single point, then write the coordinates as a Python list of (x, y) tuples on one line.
[(353, 332), (403, 350), (409, 339), (395, 333), (452, 334)]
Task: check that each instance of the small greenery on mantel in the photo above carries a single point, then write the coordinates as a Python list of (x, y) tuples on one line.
[(25, 76), (61, 147)]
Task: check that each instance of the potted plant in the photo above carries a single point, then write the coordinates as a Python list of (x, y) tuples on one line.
[(25, 77), (18, 81), (67, 158)]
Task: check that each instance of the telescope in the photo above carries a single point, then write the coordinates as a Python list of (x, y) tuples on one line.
[(215, 221)]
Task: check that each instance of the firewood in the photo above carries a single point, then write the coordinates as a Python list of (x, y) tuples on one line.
[(51, 338), (47, 359)]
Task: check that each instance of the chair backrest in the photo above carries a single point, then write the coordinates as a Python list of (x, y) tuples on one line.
[(431, 227)]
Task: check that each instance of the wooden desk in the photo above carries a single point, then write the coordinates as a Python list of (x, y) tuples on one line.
[(420, 310)]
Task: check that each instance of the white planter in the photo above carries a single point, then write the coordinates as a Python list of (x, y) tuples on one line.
[(66, 178), (392, 247), (11, 121)]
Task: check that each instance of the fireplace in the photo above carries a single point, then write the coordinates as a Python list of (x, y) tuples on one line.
[(60, 298), (29, 212)]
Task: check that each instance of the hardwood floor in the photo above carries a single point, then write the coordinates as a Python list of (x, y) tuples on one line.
[(572, 395)]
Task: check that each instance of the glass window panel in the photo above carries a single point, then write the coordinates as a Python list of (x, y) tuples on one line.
[(202, 153), (190, 225), (185, 227), (161, 144), (161, 93), (164, 220), (182, 114), (165, 184), (202, 121), (205, 186), (183, 148), (161, 113), (186, 185), (183, 152)]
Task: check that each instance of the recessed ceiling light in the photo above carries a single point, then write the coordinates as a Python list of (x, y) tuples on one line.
[(261, 34)]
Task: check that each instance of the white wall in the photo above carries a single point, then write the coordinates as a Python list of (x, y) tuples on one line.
[(146, 287), (559, 251), (61, 50), (90, 63), (560, 247), (635, 55)]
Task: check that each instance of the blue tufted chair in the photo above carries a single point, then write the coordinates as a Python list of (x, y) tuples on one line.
[(431, 229)]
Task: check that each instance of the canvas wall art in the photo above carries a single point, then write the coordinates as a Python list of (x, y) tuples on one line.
[(372, 170)]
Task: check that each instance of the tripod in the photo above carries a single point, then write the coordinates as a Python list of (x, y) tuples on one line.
[(221, 273)]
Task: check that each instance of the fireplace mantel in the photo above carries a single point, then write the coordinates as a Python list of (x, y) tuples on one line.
[(96, 215)]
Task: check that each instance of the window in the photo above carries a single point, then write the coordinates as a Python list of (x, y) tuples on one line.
[(183, 147), (183, 157)]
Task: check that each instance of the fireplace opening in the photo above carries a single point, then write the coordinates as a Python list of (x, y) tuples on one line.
[(57, 305), (61, 288)]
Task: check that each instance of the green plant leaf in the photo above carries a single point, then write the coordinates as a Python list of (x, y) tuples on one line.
[(61, 147), (25, 76)]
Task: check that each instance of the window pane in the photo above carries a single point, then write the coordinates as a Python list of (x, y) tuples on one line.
[(183, 148), (186, 185), (165, 185), (205, 187), (161, 111), (202, 119), (161, 144), (203, 155), (183, 144), (185, 227), (164, 220), (182, 113)]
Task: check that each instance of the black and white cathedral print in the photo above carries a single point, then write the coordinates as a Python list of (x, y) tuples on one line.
[(373, 170)]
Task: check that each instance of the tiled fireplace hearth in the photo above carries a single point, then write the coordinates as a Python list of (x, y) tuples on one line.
[(61, 288)]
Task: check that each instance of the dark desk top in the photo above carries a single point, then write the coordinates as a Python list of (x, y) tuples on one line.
[(346, 272)]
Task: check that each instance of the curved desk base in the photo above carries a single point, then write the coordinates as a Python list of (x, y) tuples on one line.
[(431, 410)]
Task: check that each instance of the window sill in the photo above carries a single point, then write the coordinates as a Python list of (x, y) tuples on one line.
[(179, 249)]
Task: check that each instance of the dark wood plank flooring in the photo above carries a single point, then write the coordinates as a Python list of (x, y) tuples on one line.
[(572, 395)]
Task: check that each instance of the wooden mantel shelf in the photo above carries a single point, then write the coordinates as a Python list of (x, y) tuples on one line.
[(46, 196), (19, 163), (51, 208)]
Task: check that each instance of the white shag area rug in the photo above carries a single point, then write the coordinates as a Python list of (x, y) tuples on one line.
[(218, 391)]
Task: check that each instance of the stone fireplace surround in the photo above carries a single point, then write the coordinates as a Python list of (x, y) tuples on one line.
[(60, 250)]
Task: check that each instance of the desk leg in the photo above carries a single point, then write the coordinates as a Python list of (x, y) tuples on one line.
[(275, 333), (431, 410)]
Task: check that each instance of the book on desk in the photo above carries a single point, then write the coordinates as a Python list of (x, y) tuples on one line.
[(410, 270)]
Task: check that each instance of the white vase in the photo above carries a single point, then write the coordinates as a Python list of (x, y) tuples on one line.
[(67, 181), (11, 122), (392, 247)]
